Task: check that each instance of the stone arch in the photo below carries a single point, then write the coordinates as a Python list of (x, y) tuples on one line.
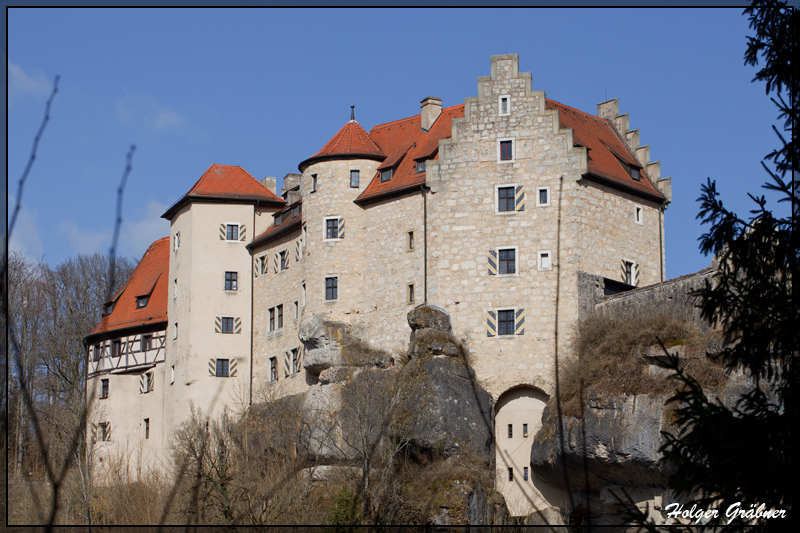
[(520, 408)]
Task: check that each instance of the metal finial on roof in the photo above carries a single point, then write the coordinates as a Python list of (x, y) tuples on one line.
[(352, 112)]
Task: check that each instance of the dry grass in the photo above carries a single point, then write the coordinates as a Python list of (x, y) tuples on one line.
[(609, 356)]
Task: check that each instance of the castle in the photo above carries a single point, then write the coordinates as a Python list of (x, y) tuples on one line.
[(490, 210)]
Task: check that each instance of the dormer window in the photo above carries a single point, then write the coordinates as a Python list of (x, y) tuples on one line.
[(386, 174), (635, 174), (141, 301), (419, 167), (277, 221), (108, 308), (295, 211)]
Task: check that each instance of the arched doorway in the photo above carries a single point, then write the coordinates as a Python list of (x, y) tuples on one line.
[(518, 416)]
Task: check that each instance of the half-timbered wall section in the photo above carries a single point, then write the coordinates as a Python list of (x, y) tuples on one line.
[(127, 353)]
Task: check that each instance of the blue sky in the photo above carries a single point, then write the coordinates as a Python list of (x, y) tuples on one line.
[(266, 88)]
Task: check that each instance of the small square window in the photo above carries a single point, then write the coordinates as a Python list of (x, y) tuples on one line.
[(386, 174), (231, 281), (331, 228), (506, 149), (508, 261), (505, 323), (277, 221), (419, 167), (273, 369), (545, 262), (525, 430), (354, 176), (410, 293), (331, 288), (410, 240), (506, 199), (146, 428), (639, 214), (232, 232), (222, 368), (280, 316), (146, 343), (141, 301), (226, 324), (103, 389), (511, 431), (635, 174), (543, 196), (295, 360)]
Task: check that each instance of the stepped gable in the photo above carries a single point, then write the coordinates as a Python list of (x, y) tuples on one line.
[(405, 142), (227, 183), (149, 278), (604, 151), (350, 142)]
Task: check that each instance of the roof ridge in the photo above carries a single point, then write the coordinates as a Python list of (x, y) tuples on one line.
[(412, 116), (595, 117)]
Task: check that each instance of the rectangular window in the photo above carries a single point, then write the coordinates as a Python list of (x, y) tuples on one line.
[(419, 167), (410, 240), (508, 261), (141, 301), (232, 232), (146, 428), (313, 183), (231, 281), (222, 368), (525, 473), (284, 260), (116, 348), (226, 323), (273, 369), (277, 221), (272, 319), (146, 343), (545, 262), (386, 174), (103, 389), (638, 214), (506, 201), (104, 431), (525, 430), (331, 228), (504, 105), (280, 316), (296, 310), (505, 322), (410, 293), (175, 288), (507, 150), (176, 331), (627, 272), (295, 211), (150, 382), (97, 352), (543, 196), (331, 288), (511, 431), (303, 294), (296, 360), (176, 241), (511, 474), (635, 174), (354, 178), (172, 375)]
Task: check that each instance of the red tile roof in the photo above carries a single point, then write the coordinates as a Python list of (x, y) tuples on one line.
[(150, 277), (286, 225), (351, 141), (404, 141), (605, 148), (226, 182)]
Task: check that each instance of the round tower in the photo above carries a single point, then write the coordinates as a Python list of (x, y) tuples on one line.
[(334, 226)]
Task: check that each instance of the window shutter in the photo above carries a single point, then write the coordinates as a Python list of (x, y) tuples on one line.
[(520, 198), (622, 270), (287, 364), (237, 325), (232, 368), (255, 267), (492, 262), (519, 325), (108, 431), (141, 384), (152, 382), (242, 232), (94, 433), (275, 260), (212, 367), (218, 324), (636, 274), (341, 228), (297, 251), (491, 324), (222, 233)]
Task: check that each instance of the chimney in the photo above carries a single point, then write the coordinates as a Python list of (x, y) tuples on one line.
[(431, 109), (270, 183)]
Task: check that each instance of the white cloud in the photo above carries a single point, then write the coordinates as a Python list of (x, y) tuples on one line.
[(140, 109), (25, 236), (137, 234), (84, 241), (31, 83)]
